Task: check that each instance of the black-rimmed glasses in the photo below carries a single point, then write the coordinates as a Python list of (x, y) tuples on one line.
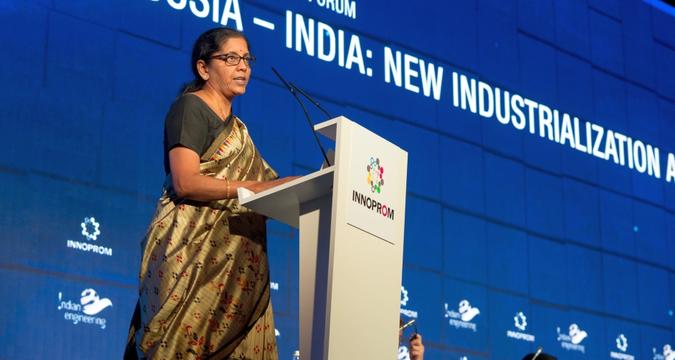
[(234, 59)]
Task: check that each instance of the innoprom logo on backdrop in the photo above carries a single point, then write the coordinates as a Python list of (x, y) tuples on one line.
[(520, 325), (85, 311), (405, 297), (622, 346), (91, 229)]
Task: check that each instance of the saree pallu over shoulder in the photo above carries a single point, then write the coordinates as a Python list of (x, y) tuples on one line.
[(204, 279)]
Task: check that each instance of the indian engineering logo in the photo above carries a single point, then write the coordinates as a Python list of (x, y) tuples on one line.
[(668, 353), (375, 175), (87, 310), (572, 340), (462, 318)]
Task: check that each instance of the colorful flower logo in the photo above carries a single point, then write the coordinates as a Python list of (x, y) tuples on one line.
[(375, 175)]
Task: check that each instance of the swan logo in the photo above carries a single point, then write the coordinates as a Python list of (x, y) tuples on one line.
[(404, 302), (667, 354), (622, 345), (375, 177), (403, 353), (572, 340), (468, 312), (91, 230), (576, 334), (92, 303), (461, 319), (86, 310), (520, 323)]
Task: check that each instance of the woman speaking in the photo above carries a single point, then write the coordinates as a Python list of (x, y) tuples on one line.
[(204, 278)]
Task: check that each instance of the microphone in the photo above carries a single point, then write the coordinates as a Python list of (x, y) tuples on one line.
[(311, 99), (294, 91), (536, 354)]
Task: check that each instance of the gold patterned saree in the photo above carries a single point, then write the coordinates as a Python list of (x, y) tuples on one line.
[(204, 279)]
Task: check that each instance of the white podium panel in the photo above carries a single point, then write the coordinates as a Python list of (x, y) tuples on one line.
[(351, 218)]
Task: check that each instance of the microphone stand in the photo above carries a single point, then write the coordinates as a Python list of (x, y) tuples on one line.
[(292, 88)]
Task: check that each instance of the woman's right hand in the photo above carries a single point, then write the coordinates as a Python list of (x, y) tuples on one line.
[(258, 186)]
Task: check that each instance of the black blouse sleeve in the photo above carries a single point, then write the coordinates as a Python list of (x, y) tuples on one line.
[(185, 125)]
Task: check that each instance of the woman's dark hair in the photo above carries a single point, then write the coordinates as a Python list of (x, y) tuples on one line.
[(207, 44)]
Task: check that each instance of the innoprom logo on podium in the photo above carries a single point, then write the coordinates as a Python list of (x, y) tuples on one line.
[(375, 181), (375, 205)]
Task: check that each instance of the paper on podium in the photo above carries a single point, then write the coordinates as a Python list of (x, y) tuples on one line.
[(243, 193), (282, 202)]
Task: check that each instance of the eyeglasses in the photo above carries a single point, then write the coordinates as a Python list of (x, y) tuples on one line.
[(233, 59)]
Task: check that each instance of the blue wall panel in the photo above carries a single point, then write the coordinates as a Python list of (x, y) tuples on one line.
[(584, 280), (650, 234), (509, 307), (504, 189), (461, 175), (476, 299), (664, 71), (506, 270), (620, 286), (544, 199), (573, 38), (423, 243), (547, 321), (547, 270), (609, 7), (653, 309), (616, 224), (465, 250), (497, 48), (535, 17), (638, 43), (582, 212), (606, 42), (502, 218)]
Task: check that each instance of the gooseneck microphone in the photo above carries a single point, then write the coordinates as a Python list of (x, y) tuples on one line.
[(311, 99), (294, 91), (536, 354)]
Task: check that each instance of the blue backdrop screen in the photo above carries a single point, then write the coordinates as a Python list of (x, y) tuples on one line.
[(541, 175)]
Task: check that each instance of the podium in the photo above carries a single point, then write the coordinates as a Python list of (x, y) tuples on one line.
[(351, 219)]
